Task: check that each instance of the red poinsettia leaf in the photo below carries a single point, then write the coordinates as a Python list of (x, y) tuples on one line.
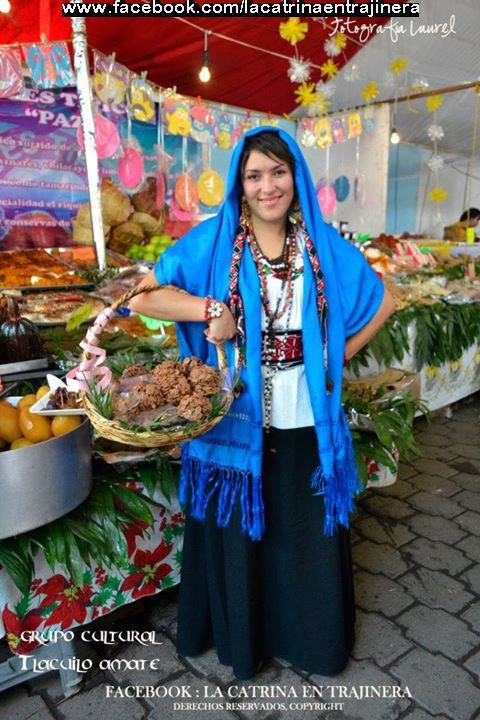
[(161, 552), (162, 571), (133, 580), (148, 588), (12, 623), (52, 587)]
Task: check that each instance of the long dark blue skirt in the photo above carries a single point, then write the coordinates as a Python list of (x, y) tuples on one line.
[(289, 595)]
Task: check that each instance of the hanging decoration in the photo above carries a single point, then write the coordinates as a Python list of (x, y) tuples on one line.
[(11, 75), (370, 91), (434, 102), (435, 132), (320, 105), (211, 189), (141, 103), (323, 133), (341, 187), (388, 80), (130, 167), (340, 40), (225, 132), (354, 122), (203, 122), (329, 68), (331, 48), (327, 89), (338, 130), (299, 70), (107, 139), (306, 94), (49, 64), (177, 115), (368, 123), (398, 66), (351, 75), (110, 82), (293, 31), (307, 135), (436, 163), (327, 199), (438, 194)]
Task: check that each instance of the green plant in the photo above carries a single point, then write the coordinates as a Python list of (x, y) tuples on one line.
[(93, 534)]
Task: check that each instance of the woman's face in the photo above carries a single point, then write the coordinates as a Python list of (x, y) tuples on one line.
[(268, 187)]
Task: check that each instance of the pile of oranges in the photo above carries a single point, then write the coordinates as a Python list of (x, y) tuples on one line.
[(20, 428)]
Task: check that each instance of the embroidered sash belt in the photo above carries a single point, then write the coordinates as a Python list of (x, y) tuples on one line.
[(282, 348)]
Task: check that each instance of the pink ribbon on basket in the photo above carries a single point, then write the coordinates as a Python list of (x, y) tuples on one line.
[(92, 370)]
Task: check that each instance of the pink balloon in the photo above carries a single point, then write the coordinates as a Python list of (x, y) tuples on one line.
[(327, 199), (107, 138), (130, 168)]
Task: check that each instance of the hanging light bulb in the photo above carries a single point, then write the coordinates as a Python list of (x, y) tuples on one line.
[(395, 137), (5, 6), (204, 73)]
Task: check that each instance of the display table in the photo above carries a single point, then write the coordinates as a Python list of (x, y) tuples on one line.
[(55, 602)]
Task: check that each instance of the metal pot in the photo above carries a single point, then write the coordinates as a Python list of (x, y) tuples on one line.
[(43, 482)]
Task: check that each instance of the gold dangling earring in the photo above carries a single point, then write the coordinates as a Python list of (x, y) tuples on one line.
[(245, 207), (295, 214)]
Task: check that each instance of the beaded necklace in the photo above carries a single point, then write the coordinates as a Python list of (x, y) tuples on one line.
[(283, 308)]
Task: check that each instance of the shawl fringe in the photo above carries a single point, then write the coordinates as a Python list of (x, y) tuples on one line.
[(200, 480), (338, 487)]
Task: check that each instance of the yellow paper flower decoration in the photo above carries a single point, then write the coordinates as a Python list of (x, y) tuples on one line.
[(340, 40), (438, 194), (434, 102), (329, 68), (321, 104), (306, 94), (397, 66), (370, 91), (293, 31)]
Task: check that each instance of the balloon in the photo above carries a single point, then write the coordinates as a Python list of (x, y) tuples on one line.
[(130, 168), (327, 199), (107, 138)]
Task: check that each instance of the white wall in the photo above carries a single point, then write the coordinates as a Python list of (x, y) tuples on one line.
[(365, 158)]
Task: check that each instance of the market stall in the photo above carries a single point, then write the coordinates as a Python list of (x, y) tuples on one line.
[(74, 248)]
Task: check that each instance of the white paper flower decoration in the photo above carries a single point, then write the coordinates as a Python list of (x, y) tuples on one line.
[(435, 132), (299, 70), (328, 90), (436, 163), (388, 79), (351, 74), (331, 48)]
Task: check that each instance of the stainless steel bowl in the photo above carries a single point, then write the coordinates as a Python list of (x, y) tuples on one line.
[(43, 482)]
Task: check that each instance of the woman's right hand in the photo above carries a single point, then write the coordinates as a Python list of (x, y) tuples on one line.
[(222, 328)]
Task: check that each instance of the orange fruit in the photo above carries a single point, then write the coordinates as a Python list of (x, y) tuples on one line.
[(9, 427), (20, 443), (62, 424), (26, 401), (34, 427), (43, 390)]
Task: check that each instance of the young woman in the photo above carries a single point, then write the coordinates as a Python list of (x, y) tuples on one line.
[(266, 567)]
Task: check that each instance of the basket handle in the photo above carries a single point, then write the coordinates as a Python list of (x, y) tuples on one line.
[(89, 346)]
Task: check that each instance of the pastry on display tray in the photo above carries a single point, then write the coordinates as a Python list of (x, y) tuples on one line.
[(113, 289), (55, 307), (27, 269)]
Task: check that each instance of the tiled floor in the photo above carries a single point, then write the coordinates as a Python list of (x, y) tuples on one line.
[(416, 549)]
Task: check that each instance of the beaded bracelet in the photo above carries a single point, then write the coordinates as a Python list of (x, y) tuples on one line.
[(213, 309)]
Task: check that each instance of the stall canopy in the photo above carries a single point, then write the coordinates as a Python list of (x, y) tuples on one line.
[(171, 50)]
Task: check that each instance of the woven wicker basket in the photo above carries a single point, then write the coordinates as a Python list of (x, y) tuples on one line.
[(114, 430)]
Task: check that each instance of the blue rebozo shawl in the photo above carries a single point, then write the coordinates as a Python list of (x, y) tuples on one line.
[(227, 461)]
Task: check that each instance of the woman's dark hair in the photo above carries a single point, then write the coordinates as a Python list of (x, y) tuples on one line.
[(268, 143), (470, 214)]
